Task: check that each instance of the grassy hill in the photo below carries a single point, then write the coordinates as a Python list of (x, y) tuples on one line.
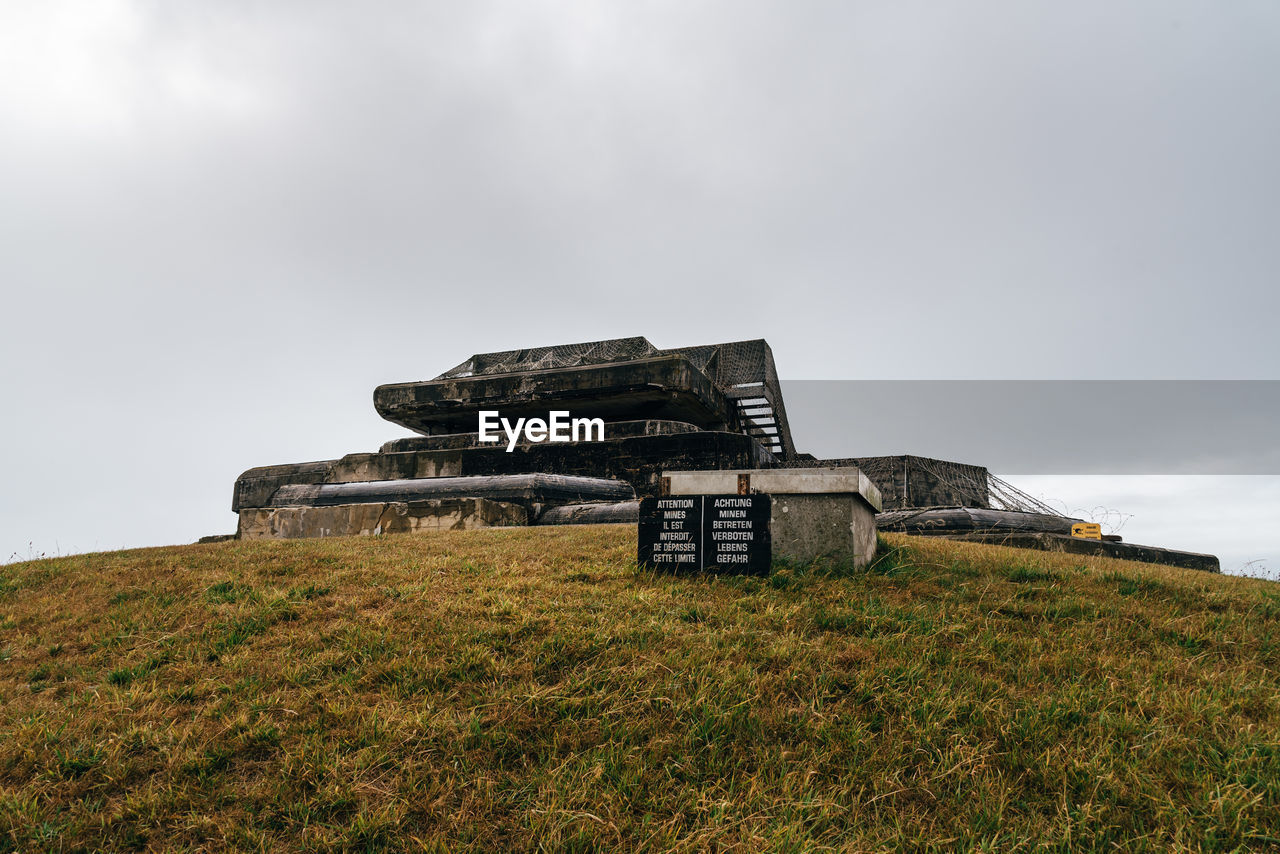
[(520, 689)]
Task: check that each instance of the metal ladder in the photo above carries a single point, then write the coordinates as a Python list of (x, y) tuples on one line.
[(759, 421)]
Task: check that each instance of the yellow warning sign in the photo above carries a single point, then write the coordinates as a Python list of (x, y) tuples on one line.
[(1088, 530)]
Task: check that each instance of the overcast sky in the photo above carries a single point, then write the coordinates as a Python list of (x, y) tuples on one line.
[(223, 223)]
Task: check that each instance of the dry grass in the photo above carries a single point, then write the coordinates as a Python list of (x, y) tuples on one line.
[(528, 689)]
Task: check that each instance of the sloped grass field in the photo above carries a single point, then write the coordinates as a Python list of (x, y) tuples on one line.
[(529, 689)]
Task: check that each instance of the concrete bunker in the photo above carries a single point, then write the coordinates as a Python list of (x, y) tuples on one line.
[(670, 417)]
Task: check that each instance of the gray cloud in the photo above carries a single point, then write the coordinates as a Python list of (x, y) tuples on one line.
[(224, 223)]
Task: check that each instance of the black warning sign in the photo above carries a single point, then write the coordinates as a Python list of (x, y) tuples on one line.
[(716, 533)]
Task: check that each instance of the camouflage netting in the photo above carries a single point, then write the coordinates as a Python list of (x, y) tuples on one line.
[(909, 482), (558, 356), (999, 494), (742, 370)]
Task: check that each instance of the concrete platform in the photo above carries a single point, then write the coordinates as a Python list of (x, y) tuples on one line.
[(667, 387), (743, 371), (817, 513), (458, 441)]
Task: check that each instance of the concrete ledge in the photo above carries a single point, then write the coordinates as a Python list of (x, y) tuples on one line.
[(965, 520), (254, 488), (528, 489), (1096, 548), (805, 481), (816, 512), (591, 514), (344, 520)]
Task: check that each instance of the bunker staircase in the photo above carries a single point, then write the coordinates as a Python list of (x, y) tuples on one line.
[(760, 421)]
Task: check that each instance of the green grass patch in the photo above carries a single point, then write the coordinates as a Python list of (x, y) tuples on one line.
[(1029, 575), (125, 676), (1128, 585), (532, 689), (226, 592)]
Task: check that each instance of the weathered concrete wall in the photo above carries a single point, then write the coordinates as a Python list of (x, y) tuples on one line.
[(591, 514), (840, 526), (638, 460), (255, 487), (378, 518)]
